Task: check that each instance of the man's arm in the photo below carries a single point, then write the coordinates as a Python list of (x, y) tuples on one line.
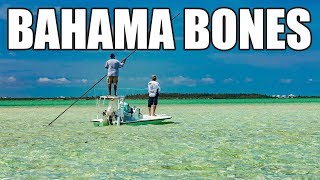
[(106, 66), (121, 64), (158, 90)]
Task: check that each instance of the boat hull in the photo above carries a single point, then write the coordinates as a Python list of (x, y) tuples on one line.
[(145, 119)]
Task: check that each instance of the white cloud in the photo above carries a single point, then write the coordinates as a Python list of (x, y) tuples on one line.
[(228, 80), (248, 80), (82, 81), (180, 80), (3, 11), (208, 80), (7, 80), (11, 79), (310, 80), (45, 80), (61, 81), (286, 81)]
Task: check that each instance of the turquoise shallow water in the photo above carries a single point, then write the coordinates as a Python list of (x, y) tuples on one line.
[(202, 140), (163, 101)]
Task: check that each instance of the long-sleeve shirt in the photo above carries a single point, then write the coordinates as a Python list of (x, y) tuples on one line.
[(113, 66)]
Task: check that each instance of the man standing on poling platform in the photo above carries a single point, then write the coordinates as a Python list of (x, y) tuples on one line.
[(113, 66)]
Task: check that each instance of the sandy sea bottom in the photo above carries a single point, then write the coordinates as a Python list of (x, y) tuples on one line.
[(201, 141)]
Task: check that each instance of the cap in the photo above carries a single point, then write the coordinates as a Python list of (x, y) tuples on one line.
[(153, 77)]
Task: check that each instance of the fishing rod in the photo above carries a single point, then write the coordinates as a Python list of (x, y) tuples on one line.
[(123, 61)]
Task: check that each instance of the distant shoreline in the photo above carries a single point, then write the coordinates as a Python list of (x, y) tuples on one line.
[(171, 96)]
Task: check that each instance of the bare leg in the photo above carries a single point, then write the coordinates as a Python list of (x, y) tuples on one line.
[(115, 89), (109, 89), (149, 109), (154, 110)]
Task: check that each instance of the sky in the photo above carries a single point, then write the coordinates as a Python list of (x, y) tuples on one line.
[(29, 73)]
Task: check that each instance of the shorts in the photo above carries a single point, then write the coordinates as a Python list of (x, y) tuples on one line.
[(113, 80), (152, 101)]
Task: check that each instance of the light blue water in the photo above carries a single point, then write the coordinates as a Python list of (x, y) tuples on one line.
[(201, 141), (60, 102)]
